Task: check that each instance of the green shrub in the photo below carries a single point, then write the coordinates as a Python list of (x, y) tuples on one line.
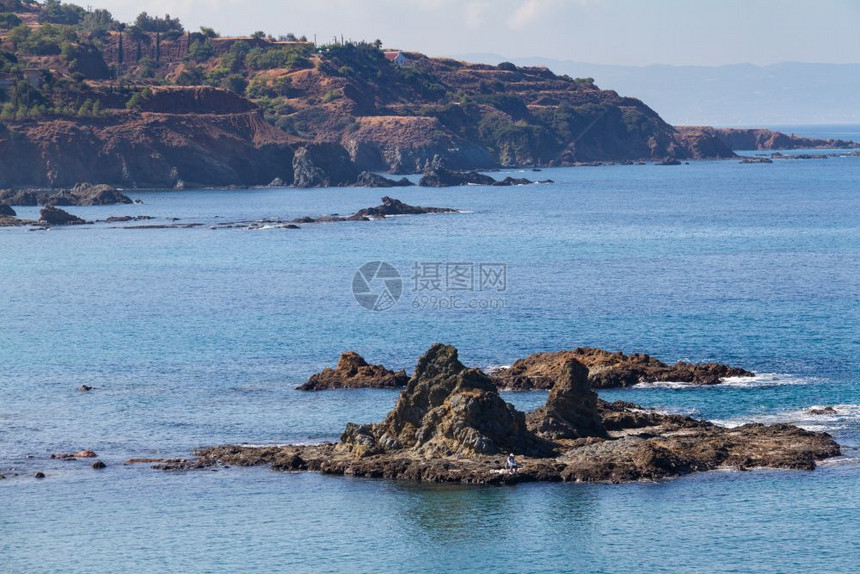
[(138, 99), (201, 50), (55, 12), (235, 83), (9, 20)]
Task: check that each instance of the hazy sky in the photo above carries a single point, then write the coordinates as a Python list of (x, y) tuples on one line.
[(635, 32)]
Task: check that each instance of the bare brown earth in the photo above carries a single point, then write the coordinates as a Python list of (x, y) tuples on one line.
[(450, 425)]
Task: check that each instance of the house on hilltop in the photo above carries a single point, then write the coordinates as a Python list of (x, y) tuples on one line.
[(396, 57)]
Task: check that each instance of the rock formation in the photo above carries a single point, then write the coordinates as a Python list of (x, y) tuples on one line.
[(370, 179), (608, 370), (446, 409), (442, 177), (571, 408), (450, 425), (56, 216), (391, 206), (81, 194), (5, 210), (353, 372)]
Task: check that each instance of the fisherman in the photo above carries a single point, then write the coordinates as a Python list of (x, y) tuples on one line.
[(511, 464)]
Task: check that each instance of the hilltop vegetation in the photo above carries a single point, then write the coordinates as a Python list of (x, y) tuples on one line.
[(61, 62)]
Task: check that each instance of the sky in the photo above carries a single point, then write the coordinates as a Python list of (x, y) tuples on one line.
[(620, 32)]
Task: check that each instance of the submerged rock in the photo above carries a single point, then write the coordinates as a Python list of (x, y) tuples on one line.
[(353, 372), (87, 453), (610, 370)]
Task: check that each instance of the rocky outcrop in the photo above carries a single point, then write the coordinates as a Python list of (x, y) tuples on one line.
[(6, 210), (571, 408), (446, 409), (609, 370), (80, 194), (353, 372), (370, 179), (323, 165), (391, 206), (56, 216), (442, 177), (753, 139), (450, 425)]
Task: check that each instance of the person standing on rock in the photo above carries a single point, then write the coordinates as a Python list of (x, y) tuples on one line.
[(511, 464)]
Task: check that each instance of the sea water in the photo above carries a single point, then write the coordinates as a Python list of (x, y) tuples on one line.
[(195, 337)]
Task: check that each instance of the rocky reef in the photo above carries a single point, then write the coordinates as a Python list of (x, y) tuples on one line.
[(608, 370), (353, 371), (450, 425)]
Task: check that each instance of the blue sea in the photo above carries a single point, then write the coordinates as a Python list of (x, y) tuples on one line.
[(194, 337)]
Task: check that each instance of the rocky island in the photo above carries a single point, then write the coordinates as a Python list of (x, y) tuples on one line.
[(610, 370), (353, 371), (450, 425)]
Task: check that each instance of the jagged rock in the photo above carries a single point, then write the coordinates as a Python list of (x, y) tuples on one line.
[(370, 179), (571, 408), (353, 372), (55, 216), (6, 210), (447, 409), (391, 206), (609, 370), (442, 177), (819, 411), (39, 475), (277, 182)]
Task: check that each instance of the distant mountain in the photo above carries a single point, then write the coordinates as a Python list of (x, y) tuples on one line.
[(789, 93)]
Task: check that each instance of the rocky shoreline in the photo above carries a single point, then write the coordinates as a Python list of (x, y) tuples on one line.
[(450, 425)]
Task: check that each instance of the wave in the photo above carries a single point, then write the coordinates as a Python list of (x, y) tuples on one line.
[(493, 369), (819, 418), (760, 380)]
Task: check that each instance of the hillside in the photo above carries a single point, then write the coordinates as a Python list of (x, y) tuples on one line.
[(83, 97), (787, 93)]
